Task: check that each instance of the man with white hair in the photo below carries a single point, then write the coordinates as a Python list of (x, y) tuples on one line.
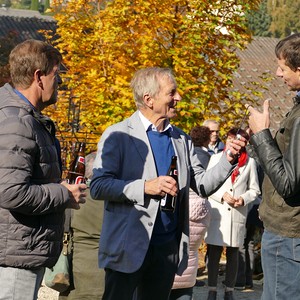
[(215, 145)]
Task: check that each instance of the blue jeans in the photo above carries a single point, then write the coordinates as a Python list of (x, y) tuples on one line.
[(281, 267), (18, 283)]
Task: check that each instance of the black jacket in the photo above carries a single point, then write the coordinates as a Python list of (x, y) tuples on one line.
[(280, 159)]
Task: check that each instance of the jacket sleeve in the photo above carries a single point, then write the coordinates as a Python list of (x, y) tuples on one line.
[(208, 181), (283, 169), (21, 159), (111, 179), (252, 188)]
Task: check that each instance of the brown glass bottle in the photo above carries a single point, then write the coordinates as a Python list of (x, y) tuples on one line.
[(77, 167), (168, 203)]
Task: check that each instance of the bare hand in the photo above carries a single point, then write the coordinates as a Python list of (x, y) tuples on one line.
[(235, 148), (239, 202), (229, 199), (77, 194), (257, 120), (161, 186)]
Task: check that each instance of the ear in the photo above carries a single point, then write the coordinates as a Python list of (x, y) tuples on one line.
[(37, 78), (148, 100)]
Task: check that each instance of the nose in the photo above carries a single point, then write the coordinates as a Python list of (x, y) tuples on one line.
[(177, 97), (279, 72)]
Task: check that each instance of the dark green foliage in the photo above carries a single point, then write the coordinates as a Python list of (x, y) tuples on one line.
[(259, 21), (5, 3), (285, 17), (34, 5)]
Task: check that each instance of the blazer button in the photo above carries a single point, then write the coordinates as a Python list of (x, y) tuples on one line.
[(229, 208), (230, 190), (150, 224)]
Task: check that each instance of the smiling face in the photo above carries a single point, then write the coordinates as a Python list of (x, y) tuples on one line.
[(166, 99), (162, 105), (291, 78)]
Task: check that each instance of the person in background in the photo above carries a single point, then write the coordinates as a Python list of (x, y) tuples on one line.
[(142, 246), (254, 227), (32, 197), (279, 157), (86, 223), (215, 145), (228, 217), (199, 212)]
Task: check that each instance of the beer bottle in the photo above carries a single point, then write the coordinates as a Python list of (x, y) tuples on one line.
[(168, 202), (77, 167)]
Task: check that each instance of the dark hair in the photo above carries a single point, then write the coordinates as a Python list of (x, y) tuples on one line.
[(234, 131), (289, 50), (200, 135)]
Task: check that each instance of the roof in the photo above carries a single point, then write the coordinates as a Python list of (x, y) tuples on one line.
[(24, 23), (258, 63)]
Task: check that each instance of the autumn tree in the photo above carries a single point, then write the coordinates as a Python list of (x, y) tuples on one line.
[(105, 42), (7, 43), (285, 18)]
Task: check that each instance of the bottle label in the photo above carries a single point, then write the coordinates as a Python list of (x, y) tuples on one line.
[(79, 179), (81, 159)]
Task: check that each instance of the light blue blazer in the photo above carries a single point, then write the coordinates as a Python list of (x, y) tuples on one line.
[(124, 162)]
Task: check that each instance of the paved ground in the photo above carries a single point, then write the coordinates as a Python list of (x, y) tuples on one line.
[(200, 293)]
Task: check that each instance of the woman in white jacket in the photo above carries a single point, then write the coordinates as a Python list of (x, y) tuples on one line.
[(228, 217)]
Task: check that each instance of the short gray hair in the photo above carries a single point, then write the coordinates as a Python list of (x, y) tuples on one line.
[(89, 161), (146, 81), (211, 121)]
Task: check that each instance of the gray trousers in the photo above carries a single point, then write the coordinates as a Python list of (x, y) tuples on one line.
[(18, 283), (214, 255)]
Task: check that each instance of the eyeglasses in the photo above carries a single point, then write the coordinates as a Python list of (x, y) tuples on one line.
[(216, 131)]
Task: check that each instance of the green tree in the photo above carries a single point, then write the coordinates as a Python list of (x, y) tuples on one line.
[(21, 4), (259, 20), (285, 17), (34, 5), (104, 43), (5, 3), (46, 4)]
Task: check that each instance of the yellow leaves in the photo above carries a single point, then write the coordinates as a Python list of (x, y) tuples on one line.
[(105, 42)]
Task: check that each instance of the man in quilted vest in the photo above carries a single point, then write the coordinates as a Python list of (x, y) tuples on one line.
[(280, 160), (32, 197)]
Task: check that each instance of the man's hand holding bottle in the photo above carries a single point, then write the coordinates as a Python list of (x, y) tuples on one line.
[(77, 194)]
